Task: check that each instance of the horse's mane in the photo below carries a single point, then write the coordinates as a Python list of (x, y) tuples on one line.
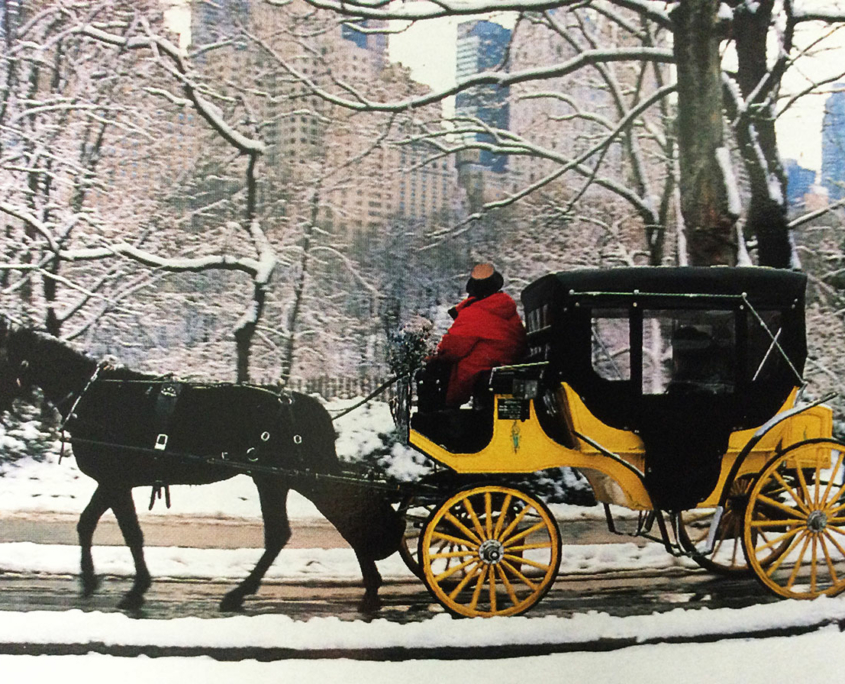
[(55, 356)]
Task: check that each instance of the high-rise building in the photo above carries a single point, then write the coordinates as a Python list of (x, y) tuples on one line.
[(482, 46), (799, 182), (369, 182), (219, 20), (365, 35), (833, 145)]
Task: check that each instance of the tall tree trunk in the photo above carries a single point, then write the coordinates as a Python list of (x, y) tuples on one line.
[(757, 139), (705, 186), (289, 347)]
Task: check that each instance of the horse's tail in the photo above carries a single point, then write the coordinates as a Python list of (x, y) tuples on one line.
[(363, 516)]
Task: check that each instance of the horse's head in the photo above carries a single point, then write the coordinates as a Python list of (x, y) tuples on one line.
[(13, 365)]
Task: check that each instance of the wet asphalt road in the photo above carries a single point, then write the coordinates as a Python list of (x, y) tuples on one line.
[(640, 592), (625, 593)]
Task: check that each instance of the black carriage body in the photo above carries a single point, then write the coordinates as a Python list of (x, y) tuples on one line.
[(618, 336)]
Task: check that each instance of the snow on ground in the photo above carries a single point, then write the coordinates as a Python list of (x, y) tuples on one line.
[(292, 564), (29, 488), (794, 659)]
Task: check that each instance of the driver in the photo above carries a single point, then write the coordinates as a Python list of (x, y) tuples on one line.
[(487, 332)]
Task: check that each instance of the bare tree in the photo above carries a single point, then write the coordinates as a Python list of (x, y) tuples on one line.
[(65, 33)]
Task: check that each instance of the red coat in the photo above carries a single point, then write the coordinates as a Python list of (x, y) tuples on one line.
[(486, 333)]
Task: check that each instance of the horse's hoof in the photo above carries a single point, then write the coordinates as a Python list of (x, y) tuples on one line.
[(89, 586), (370, 604), (131, 601), (232, 604)]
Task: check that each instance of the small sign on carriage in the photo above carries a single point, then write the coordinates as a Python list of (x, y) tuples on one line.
[(513, 409)]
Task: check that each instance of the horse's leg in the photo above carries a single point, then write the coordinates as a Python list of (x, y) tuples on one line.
[(372, 581), (273, 497), (127, 518), (98, 505)]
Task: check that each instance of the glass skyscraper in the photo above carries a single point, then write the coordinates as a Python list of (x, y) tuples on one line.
[(482, 46), (833, 145)]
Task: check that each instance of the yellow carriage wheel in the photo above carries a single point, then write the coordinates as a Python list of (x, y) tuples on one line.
[(794, 526), (490, 550), (727, 557)]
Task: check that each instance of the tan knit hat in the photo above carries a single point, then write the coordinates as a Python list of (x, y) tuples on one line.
[(484, 280)]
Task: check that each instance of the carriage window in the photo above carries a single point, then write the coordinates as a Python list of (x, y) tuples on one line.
[(765, 360), (611, 353), (688, 351), (539, 319)]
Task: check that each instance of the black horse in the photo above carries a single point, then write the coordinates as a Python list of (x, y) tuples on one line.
[(128, 429)]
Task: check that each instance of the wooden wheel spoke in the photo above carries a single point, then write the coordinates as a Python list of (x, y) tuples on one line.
[(513, 524), (779, 561), (479, 585), (502, 515), (797, 568), (452, 554), (803, 482), (778, 540), (814, 558), (828, 560), (466, 580), (781, 506), (526, 561), (836, 496), (838, 546), (777, 523), (789, 489), (722, 533), (450, 539), (836, 529), (476, 523), (488, 514), (463, 528), (508, 542), (516, 573), (491, 576), (833, 473), (529, 547), (734, 552), (451, 571), (508, 586)]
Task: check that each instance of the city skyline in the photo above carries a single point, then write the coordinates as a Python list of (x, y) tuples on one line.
[(429, 50), (434, 66)]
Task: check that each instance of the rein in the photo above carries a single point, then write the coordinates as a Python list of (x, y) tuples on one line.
[(372, 395), (100, 367)]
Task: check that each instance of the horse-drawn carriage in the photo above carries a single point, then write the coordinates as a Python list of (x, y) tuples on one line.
[(676, 393)]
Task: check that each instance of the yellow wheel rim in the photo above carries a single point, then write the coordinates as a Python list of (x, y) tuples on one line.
[(727, 557), (490, 551), (794, 526)]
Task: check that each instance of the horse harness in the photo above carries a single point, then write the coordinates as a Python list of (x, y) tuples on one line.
[(164, 408)]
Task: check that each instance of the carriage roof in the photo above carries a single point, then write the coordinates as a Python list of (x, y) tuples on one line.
[(679, 286)]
